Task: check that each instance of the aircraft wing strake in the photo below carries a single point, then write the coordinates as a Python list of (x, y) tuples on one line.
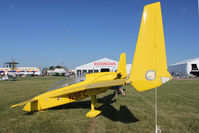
[(106, 84), (68, 91), (22, 103)]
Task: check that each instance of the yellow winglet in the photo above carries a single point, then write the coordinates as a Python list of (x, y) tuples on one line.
[(122, 65), (149, 67)]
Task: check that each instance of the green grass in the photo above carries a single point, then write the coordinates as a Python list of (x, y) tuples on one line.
[(178, 110)]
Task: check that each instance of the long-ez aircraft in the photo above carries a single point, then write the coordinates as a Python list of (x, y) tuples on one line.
[(149, 70)]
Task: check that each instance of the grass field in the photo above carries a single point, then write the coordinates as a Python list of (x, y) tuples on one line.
[(178, 110)]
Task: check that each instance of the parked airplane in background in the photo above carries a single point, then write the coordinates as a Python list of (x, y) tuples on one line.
[(9, 76), (149, 70)]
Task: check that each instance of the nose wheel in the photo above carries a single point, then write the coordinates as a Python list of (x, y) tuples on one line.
[(94, 104)]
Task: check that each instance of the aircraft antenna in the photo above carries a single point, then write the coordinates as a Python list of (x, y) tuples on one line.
[(157, 128)]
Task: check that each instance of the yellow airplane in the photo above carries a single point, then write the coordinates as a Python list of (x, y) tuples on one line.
[(149, 70)]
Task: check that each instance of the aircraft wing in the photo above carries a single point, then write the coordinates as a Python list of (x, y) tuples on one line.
[(93, 85)]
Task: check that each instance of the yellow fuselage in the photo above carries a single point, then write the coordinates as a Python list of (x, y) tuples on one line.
[(46, 100)]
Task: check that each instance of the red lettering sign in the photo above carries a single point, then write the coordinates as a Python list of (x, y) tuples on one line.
[(104, 63)]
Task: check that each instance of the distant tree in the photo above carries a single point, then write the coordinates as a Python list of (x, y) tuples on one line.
[(51, 68), (59, 67)]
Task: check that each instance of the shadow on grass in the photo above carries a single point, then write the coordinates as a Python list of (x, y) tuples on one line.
[(31, 113), (123, 114)]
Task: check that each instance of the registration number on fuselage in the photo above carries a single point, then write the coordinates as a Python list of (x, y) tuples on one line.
[(77, 95)]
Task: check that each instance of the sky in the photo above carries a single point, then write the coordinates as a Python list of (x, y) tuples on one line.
[(42, 33)]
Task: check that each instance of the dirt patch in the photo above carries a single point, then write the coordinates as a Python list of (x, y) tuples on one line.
[(92, 126)]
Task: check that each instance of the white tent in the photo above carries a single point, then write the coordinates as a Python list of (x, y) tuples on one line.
[(184, 68), (102, 65), (59, 70)]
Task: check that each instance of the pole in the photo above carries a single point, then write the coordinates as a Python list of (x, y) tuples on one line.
[(157, 128)]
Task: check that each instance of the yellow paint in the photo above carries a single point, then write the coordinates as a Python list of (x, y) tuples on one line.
[(150, 52), (93, 112), (74, 92), (149, 70), (122, 65)]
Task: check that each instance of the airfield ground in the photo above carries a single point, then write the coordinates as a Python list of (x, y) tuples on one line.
[(178, 110)]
